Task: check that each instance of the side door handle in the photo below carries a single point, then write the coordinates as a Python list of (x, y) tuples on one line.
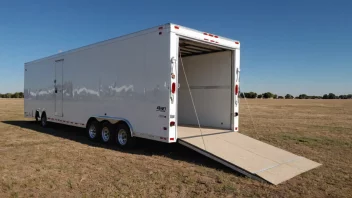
[(55, 86)]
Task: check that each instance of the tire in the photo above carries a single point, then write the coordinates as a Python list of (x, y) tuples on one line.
[(107, 133), (44, 120), (93, 129), (123, 136)]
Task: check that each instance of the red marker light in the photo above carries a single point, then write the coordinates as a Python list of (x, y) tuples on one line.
[(176, 27), (172, 123), (236, 89), (237, 42), (173, 88)]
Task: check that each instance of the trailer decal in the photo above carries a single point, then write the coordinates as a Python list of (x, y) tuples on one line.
[(161, 109)]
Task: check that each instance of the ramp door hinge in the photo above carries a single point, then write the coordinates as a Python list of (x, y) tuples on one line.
[(173, 60)]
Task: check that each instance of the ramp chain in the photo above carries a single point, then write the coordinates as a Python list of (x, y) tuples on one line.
[(194, 107)]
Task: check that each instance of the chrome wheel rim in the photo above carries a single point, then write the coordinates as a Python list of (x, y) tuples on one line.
[(105, 134), (92, 132), (122, 137)]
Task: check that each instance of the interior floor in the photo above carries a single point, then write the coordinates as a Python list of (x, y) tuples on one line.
[(188, 131)]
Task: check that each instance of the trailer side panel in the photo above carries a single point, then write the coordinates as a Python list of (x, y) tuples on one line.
[(125, 79)]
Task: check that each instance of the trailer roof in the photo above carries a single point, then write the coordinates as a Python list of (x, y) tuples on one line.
[(205, 37), (188, 33)]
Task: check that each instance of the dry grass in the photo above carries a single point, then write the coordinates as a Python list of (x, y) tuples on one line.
[(61, 162)]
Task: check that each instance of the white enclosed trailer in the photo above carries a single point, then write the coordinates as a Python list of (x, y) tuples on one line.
[(168, 83)]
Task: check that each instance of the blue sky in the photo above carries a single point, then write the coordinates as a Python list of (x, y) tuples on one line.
[(286, 46)]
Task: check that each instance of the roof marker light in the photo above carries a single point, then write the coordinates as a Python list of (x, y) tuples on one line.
[(237, 42), (176, 27)]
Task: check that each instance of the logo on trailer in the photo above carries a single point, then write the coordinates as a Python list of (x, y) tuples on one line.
[(162, 109)]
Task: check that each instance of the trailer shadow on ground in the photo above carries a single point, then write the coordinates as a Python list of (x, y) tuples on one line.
[(143, 146)]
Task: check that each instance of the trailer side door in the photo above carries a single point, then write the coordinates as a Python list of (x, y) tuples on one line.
[(58, 84)]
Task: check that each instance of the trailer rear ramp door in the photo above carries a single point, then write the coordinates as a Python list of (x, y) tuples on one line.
[(246, 155)]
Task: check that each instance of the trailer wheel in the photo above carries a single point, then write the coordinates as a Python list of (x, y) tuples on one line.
[(43, 120), (93, 129), (123, 136), (106, 132)]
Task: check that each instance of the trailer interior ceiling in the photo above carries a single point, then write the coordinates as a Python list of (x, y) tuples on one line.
[(191, 48), (208, 69)]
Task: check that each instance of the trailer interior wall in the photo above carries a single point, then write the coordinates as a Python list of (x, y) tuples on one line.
[(209, 77)]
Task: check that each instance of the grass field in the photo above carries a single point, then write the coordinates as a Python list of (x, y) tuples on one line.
[(61, 162)]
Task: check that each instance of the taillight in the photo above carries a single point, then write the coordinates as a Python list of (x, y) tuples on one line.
[(236, 89), (172, 123), (173, 88)]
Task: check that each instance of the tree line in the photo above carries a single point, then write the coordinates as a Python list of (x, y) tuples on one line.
[(12, 95), (268, 95)]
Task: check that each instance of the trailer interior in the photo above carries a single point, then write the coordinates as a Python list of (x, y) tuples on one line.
[(208, 69)]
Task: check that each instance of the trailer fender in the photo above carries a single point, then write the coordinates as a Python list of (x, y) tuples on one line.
[(114, 120)]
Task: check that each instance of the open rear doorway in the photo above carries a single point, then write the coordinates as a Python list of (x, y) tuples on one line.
[(208, 70)]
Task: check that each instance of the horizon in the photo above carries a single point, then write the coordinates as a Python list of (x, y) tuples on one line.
[(286, 47), (295, 96)]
